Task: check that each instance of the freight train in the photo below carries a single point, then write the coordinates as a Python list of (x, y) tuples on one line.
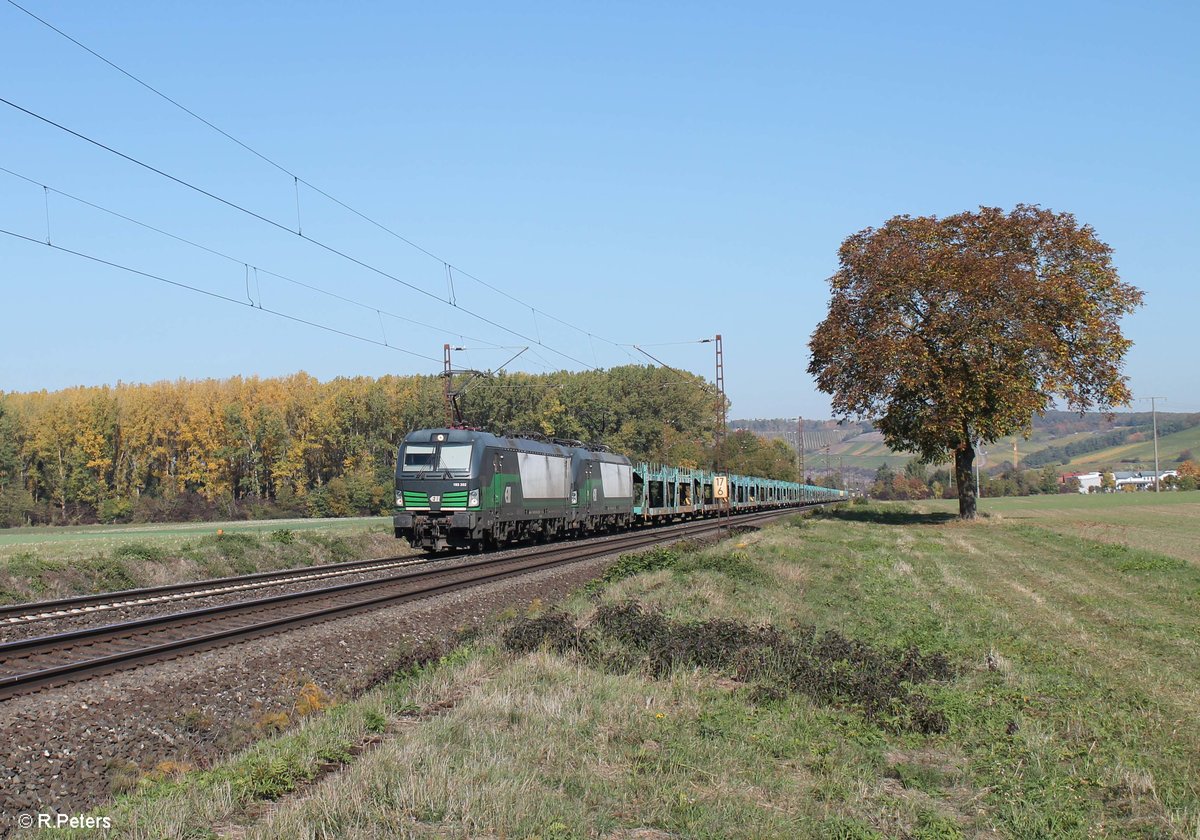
[(470, 489)]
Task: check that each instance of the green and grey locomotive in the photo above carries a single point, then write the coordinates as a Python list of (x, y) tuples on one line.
[(465, 489)]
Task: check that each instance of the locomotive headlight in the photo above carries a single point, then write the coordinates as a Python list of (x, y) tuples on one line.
[(399, 499), (473, 498)]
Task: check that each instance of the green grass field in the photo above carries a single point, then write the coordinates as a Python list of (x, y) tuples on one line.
[(46, 563), (1069, 710), (1168, 523)]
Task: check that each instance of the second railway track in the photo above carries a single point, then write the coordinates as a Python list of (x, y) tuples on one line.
[(17, 615), (37, 663)]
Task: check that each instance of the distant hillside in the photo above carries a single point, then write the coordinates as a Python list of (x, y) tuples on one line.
[(1070, 442)]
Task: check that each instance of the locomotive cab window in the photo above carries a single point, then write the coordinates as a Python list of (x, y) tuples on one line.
[(455, 457), (419, 458)]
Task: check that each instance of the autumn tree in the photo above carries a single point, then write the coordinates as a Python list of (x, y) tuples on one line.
[(246, 446), (1048, 482), (13, 499), (746, 453), (948, 332)]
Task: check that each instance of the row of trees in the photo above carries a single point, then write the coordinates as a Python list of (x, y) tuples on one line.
[(918, 482), (1188, 477), (294, 445)]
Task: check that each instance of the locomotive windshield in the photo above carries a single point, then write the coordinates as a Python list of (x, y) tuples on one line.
[(420, 457)]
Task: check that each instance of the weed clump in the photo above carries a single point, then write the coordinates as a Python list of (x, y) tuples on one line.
[(311, 699), (718, 644), (338, 548), (30, 570), (139, 552), (683, 558), (107, 574), (195, 720), (628, 565), (233, 546), (735, 566), (829, 668), (374, 721), (555, 630)]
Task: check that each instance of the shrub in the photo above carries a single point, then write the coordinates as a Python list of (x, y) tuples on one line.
[(16, 507), (555, 630), (115, 510)]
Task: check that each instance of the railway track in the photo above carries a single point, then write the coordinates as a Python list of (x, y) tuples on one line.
[(23, 614), (37, 663)]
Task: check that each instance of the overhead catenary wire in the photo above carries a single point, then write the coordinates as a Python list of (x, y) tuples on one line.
[(46, 194), (248, 265), (215, 295), (640, 345), (297, 180), (235, 206), (690, 377)]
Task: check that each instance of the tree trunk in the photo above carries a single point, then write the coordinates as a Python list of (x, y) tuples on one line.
[(963, 460)]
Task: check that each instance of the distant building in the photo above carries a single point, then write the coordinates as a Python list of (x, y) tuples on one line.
[(1137, 479), (1086, 481), (1141, 479)]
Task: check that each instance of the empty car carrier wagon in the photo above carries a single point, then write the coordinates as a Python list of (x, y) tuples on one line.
[(463, 488)]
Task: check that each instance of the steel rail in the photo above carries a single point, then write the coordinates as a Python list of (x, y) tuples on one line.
[(428, 582), (13, 614), (107, 631)]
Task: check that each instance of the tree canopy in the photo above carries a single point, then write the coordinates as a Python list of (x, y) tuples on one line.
[(951, 331), (294, 445)]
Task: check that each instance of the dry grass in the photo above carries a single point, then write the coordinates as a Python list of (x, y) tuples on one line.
[(1073, 712), (544, 750)]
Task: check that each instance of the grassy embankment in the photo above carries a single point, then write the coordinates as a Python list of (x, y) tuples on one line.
[(1071, 710), (43, 563)]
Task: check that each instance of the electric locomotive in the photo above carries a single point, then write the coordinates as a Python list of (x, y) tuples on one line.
[(470, 489)]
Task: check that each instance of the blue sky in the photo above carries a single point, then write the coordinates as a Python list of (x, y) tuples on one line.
[(649, 173)]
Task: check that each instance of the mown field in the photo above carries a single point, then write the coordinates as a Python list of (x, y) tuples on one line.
[(879, 671), (1168, 523)]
